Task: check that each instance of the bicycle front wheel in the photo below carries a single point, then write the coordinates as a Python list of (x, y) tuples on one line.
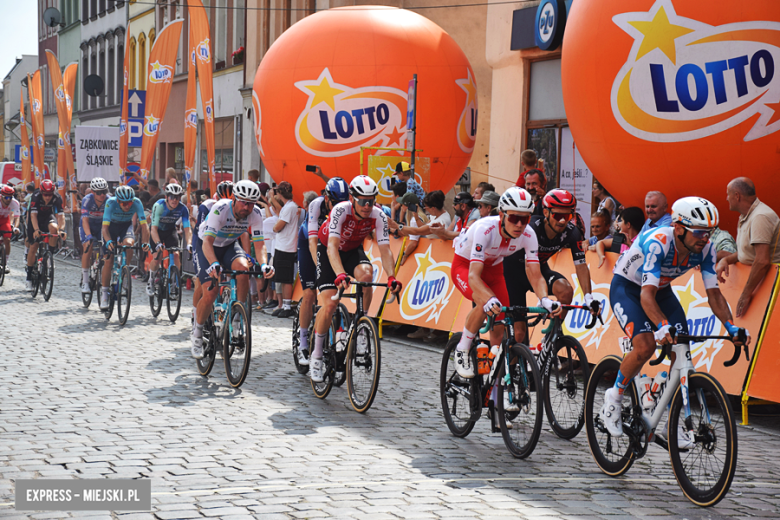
[(323, 388), (124, 294), (704, 471), (456, 392), (2, 263), (211, 342), (155, 301), (47, 275), (173, 302), (296, 340), (565, 376), (522, 423), (236, 344), (363, 363), (341, 319), (36, 279)]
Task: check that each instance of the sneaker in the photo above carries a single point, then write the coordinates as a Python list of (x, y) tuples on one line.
[(271, 304), (285, 313), (150, 288), (463, 364), (316, 370), (7, 270), (418, 334), (362, 344), (85, 288), (103, 302), (197, 347), (611, 413), (508, 406), (303, 358), (275, 314), (28, 286)]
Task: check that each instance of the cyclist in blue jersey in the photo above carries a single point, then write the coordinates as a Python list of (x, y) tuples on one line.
[(224, 191), (645, 304), (165, 213), (118, 229), (92, 208)]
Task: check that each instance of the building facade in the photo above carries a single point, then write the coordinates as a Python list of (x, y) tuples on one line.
[(12, 90)]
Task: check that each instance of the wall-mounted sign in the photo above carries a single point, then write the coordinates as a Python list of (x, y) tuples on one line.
[(550, 22)]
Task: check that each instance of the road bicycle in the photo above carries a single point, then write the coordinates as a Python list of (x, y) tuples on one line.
[(167, 285), (227, 330), (95, 270), (43, 268), (699, 407), (336, 340), (510, 370), (120, 289), (361, 359), (3, 259)]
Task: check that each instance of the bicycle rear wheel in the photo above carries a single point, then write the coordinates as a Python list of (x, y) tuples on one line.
[(706, 470), (236, 344), (2, 262), (155, 302), (456, 392), (614, 455), (173, 302), (525, 391), (211, 343), (363, 364), (36, 279), (565, 376), (322, 389), (124, 294), (47, 275), (341, 319)]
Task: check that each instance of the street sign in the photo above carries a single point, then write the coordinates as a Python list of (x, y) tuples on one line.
[(135, 117)]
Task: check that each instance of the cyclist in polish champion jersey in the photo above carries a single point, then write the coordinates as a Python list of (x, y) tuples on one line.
[(9, 217), (478, 272), (92, 208), (165, 213), (644, 303)]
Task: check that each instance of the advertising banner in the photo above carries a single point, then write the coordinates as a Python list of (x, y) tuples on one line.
[(190, 118), (36, 107), (65, 167), (199, 34), (97, 153), (69, 81), (576, 177), (381, 168), (24, 150), (162, 60), (124, 131), (763, 380)]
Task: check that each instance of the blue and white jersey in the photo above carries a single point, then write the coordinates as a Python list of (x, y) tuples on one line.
[(223, 225), (114, 213), (653, 260), (165, 218), (91, 209), (203, 212)]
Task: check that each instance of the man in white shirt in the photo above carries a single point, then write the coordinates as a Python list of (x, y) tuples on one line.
[(286, 245)]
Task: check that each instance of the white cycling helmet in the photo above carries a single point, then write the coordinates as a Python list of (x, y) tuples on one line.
[(363, 186), (98, 184), (246, 190), (174, 189), (696, 212), (516, 199)]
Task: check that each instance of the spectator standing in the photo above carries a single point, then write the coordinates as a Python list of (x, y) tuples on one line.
[(253, 175), (758, 231), (529, 162), (599, 228), (487, 204), (605, 201), (536, 185), (466, 213), (657, 210), (155, 193), (481, 188), (286, 247)]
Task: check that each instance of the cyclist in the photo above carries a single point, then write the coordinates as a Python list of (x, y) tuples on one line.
[(219, 248), (165, 213), (92, 208), (340, 255), (478, 273), (9, 217), (45, 213), (645, 304), (118, 229), (336, 191), (555, 229), (224, 191)]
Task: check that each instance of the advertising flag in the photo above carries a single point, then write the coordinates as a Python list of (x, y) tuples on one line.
[(69, 81), (158, 88), (124, 133), (199, 35), (65, 160), (36, 117), (25, 150), (190, 119)]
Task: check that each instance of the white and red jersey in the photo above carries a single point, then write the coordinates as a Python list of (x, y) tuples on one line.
[(352, 231), (8, 212), (482, 242)]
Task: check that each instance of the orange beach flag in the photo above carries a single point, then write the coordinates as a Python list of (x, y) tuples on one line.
[(124, 131), (65, 166), (24, 152), (199, 34), (36, 117), (190, 119), (69, 81)]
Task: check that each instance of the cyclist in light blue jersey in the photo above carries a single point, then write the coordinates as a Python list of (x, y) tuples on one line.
[(165, 214)]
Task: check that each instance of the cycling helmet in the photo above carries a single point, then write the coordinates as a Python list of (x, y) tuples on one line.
[(124, 194), (98, 184), (7, 190), (246, 190), (559, 199), (363, 186), (694, 211), (337, 190), (174, 189), (516, 199), (225, 189), (47, 186)]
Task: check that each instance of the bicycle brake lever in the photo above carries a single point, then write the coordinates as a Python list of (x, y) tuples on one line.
[(664, 355)]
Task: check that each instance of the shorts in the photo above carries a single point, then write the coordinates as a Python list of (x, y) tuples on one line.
[(284, 265), (517, 282), (307, 269), (168, 238), (5, 225), (225, 256), (119, 232), (326, 277), (43, 224), (625, 298), (492, 275), (95, 228)]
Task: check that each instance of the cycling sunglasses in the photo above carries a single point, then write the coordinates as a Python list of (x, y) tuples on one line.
[(8, 197), (364, 202), (248, 203), (518, 219), (174, 197), (100, 192), (699, 234), (562, 217)]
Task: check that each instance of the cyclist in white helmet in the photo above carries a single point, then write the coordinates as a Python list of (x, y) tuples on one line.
[(92, 208)]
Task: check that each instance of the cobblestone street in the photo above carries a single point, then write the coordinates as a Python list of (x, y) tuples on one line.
[(86, 398)]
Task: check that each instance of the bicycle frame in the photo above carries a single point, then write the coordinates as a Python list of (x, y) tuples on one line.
[(678, 376)]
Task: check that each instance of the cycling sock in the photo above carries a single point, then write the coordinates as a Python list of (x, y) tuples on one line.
[(85, 275), (286, 305), (319, 341), (304, 339), (465, 341), (197, 330), (621, 383), (29, 273)]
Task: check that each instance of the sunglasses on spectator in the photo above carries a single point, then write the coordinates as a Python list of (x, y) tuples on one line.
[(700, 234), (562, 217), (518, 219), (364, 202)]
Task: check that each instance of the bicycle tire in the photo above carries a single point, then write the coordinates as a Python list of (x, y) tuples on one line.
[(248, 306), (47, 276), (565, 375), (323, 388), (527, 393), (236, 348), (124, 295), (296, 340), (35, 276), (363, 370), (86, 298), (716, 460), (340, 376), (613, 462), (456, 392), (173, 292), (155, 302), (2, 262), (211, 342)]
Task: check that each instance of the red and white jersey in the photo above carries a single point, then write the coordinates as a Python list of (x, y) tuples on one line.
[(482, 242), (352, 231), (9, 211)]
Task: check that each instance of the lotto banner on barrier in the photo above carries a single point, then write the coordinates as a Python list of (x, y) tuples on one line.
[(762, 383)]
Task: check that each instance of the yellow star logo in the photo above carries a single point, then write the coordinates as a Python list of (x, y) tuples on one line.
[(469, 87), (394, 137), (324, 93), (424, 262), (687, 295), (659, 34)]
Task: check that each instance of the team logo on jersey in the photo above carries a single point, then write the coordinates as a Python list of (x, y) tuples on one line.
[(151, 126), (467, 124), (338, 119), (685, 80), (203, 51), (160, 73), (428, 291), (191, 118), (258, 117)]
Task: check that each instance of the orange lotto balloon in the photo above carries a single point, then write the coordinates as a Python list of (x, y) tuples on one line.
[(679, 96), (338, 79)]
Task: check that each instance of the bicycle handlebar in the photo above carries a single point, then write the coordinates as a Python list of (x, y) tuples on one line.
[(226, 272), (687, 338), (594, 318), (336, 297), (541, 313)]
